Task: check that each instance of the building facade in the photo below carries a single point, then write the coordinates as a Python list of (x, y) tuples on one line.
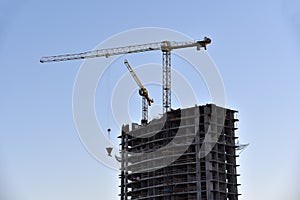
[(186, 154)]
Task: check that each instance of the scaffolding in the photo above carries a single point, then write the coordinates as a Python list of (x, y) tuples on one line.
[(188, 176)]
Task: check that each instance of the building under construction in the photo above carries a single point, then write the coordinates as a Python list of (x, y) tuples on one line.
[(187, 154)]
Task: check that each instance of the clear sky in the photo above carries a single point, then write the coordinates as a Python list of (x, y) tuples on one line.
[(255, 47)]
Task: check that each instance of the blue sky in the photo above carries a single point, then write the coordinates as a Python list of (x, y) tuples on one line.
[(255, 47)]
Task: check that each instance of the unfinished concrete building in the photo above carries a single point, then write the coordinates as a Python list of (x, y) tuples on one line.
[(187, 154)]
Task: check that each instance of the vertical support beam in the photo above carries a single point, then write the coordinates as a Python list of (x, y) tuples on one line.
[(166, 80), (122, 166), (197, 152), (126, 167)]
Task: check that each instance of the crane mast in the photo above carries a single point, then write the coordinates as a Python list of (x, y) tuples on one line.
[(165, 46), (146, 100), (166, 63)]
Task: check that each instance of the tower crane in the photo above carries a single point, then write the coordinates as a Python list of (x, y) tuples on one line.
[(165, 46), (146, 100)]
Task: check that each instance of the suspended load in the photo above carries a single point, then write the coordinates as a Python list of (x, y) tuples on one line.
[(109, 148)]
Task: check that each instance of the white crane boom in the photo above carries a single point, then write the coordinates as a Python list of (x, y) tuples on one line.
[(163, 46)]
